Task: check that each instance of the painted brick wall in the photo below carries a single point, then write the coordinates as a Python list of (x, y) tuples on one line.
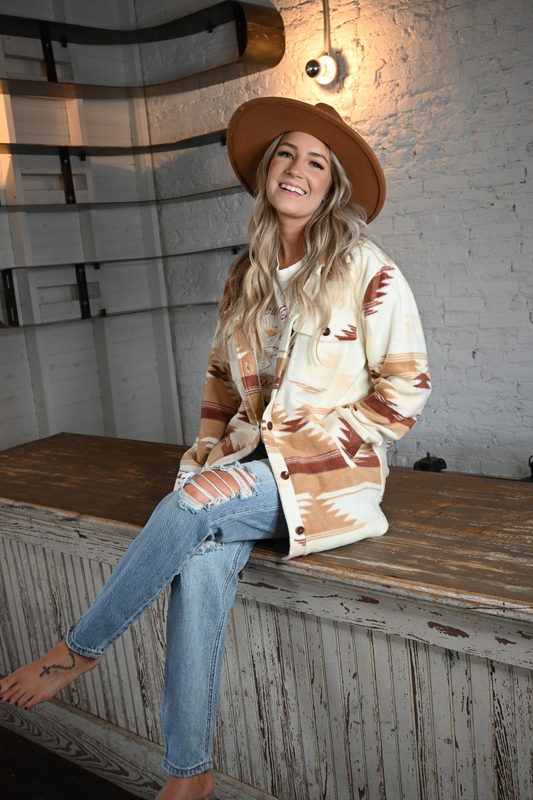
[(442, 90)]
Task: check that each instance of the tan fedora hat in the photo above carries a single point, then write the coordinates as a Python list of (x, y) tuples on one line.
[(256, 123)]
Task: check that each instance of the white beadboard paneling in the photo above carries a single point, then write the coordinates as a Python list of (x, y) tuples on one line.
[(52, 116), (41, 9), (137, 390), (310, 707), (127, 285), (107, 122), (192, 335), (114, 179), (523, 706), (119, 233), (22, 46), (18, 420), (7, 259), (24, 68), (55, 237), (42, 181), (73, 375), (96, 65), (101, 13)]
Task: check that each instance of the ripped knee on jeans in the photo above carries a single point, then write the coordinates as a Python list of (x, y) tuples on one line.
[(216, 486)]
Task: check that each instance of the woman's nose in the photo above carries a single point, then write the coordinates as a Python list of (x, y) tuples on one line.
[(294, 167)]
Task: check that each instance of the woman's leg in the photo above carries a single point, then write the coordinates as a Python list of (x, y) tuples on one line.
[(201, 598), (178, 526)]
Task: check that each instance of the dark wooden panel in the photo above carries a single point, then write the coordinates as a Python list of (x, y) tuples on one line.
[(118, 479), (454, 534)]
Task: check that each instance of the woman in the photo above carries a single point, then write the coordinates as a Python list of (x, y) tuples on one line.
[(318, 364)]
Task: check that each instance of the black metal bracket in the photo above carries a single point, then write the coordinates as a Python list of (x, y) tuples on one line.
[(66, 174), (48, 53), (83, 292), (10, 298)]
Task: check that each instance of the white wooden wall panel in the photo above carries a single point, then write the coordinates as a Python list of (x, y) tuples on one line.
[(6, 249), (114, 181), (127, 285), (71, 398), (100, 66), (97, 12), (119, 233), (18, 421), (55, 237), (73, 375), (137, 390), (192, 335), (42, 9), (23, 58), (42, 182), (52, 116), (107, 122)]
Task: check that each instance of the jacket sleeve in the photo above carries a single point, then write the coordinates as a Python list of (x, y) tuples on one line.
[(397, 364), (219, 404)]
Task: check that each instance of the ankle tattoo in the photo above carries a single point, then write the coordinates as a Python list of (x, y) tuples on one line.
[(47, 670)]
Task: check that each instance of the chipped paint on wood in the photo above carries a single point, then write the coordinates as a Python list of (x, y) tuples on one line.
[(340, 679)]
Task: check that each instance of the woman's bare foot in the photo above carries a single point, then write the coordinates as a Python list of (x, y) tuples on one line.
[(42, 679), (196, 788)]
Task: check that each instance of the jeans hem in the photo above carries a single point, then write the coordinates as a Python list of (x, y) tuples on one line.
[(76, 648), (176, 772)]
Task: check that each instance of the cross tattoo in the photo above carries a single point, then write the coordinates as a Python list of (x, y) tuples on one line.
[(47, 670)]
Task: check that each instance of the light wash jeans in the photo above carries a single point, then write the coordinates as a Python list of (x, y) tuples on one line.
[(201, 552)]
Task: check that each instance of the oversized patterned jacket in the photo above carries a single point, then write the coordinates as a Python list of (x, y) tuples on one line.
[(336, 404)]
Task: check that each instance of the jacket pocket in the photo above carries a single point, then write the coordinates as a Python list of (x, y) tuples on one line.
[(332, 362)]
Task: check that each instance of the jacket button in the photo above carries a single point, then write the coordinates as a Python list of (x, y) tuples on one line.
[(269, 426), (285, 476), (300, 530), (327, 332)]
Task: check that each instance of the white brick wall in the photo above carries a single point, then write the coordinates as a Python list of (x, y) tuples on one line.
[(443, 92)]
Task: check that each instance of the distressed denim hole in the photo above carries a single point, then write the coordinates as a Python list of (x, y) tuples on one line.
[(208, 547), (237, 482)]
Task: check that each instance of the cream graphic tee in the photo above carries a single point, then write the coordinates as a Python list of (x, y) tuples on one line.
[(273, 326)]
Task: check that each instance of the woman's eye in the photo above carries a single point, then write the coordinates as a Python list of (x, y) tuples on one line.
[(316, 164), (285, 153)]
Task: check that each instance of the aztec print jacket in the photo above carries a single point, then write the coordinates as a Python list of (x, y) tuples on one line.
[(336, 405)]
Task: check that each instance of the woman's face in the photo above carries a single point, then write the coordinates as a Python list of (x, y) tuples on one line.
[(299, 176)]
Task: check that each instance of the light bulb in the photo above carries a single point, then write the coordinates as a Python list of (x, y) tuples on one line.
[(323, 69)]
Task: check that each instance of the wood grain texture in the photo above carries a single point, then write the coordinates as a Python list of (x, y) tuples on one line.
[(121, 758), (450, 535)]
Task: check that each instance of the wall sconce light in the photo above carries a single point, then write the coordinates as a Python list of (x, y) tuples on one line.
[(323, 69)]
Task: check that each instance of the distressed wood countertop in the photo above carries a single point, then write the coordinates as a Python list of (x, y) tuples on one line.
[(454, 538)]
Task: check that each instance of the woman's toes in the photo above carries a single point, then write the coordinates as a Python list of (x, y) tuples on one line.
[(14, 698), (24, 699)]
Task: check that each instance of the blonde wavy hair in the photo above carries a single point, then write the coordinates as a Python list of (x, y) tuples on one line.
[(334, 230)]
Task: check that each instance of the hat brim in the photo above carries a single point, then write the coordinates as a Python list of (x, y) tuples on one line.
[(256, 123)]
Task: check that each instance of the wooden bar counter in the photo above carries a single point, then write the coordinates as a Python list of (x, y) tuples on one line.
[(395, 668)]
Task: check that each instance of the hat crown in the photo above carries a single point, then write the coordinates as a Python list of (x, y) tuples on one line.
[(325, 108)]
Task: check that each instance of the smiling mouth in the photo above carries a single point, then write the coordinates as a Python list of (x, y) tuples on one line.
[(293, 189)]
